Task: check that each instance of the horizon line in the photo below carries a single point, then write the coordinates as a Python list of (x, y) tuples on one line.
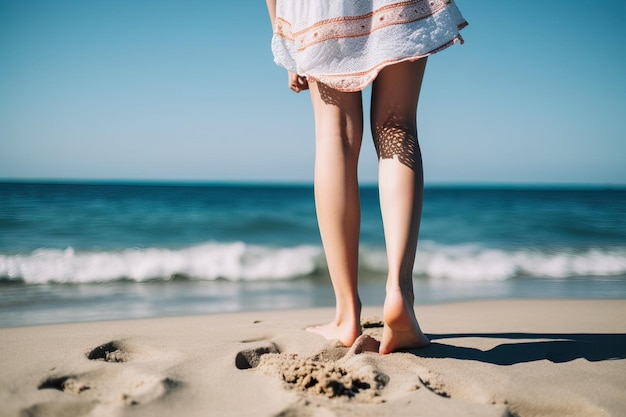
[(302, 183)]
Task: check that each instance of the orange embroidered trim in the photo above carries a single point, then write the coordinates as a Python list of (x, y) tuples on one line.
[(356, 26), (356, 81)]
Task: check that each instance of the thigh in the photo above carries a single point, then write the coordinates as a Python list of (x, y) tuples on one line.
[(337, 113), (395, 94)]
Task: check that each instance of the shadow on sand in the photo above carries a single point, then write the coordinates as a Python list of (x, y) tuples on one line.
[(557, 348)]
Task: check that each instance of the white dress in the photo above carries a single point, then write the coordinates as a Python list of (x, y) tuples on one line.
[(345, 44)]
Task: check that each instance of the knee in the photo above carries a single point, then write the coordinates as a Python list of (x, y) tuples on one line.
[(345, 141), (395, 136), (393, 124)]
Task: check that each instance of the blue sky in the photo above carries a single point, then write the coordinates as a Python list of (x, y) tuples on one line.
[(187, 91)]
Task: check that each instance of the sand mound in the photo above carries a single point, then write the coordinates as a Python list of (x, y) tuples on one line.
[(319, 375), (328, 379)]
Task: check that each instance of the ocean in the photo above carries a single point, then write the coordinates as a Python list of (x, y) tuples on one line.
[(88, 251)]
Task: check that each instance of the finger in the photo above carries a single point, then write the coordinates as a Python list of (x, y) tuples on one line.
[(293, 82), (294, 87), (303, 83), (297, 82)]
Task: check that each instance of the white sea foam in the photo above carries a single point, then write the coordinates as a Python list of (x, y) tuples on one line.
[(241, 262), (475, 263), (233, 261)]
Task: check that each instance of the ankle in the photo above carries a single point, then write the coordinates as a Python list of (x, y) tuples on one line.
[(397, 290), (348, 313), (398, 309)]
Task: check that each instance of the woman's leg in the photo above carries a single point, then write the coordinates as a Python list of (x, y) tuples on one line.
[(338, 135), (395, 95)]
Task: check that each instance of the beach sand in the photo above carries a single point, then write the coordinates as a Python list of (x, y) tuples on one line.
[(489, 358)]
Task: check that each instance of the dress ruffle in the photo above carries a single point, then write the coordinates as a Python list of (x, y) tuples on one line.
[(345, 44)]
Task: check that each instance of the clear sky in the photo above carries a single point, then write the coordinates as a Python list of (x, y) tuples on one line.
[(183, 90)]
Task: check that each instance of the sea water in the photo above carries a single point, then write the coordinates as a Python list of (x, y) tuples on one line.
[(87, 251)]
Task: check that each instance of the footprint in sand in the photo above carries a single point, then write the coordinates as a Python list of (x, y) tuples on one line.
[(114, 351), (250, 358), (112, 385), (67, 383)]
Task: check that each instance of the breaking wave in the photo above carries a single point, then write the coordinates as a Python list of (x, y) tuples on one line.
[(238, 261)]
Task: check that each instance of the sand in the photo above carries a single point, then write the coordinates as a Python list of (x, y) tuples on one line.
[(490, 358)]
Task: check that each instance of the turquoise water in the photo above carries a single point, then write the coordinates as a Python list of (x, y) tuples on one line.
[(76, 252)]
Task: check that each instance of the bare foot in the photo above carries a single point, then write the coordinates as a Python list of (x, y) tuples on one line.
[(346, 333), (401, 329)]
